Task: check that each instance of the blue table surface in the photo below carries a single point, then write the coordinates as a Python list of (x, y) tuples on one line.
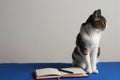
[(24, 71)]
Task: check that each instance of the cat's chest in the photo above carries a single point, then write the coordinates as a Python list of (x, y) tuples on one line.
[(95, 38), (92, 39)]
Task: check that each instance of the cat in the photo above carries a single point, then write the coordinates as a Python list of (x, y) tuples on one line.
[(87, 48)]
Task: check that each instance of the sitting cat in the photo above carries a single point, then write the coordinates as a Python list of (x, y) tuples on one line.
[(87, 48)]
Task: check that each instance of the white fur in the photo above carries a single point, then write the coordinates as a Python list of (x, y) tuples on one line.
[(92, 39)]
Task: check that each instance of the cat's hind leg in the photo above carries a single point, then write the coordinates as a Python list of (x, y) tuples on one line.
[(78, 60)]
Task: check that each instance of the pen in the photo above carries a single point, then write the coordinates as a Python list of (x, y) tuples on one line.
[(70, 72)]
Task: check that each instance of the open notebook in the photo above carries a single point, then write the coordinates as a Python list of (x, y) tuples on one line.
[(72, 72)]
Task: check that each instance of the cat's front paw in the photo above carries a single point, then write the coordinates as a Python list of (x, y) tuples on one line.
[(88, 71), (95, 71)]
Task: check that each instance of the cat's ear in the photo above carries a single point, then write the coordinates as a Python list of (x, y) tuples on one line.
[(97, 13)]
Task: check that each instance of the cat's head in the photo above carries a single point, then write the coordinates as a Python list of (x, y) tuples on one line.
[(97, 20)]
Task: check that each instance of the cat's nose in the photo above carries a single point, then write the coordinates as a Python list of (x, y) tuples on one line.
[(106, 25)]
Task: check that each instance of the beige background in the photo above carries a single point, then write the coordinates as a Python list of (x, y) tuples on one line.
[(45, 30)]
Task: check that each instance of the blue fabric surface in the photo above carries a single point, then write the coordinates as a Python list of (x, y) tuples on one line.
[(14, 71)]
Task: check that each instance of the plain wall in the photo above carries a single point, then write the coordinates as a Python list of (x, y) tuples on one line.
[(46, 30)]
